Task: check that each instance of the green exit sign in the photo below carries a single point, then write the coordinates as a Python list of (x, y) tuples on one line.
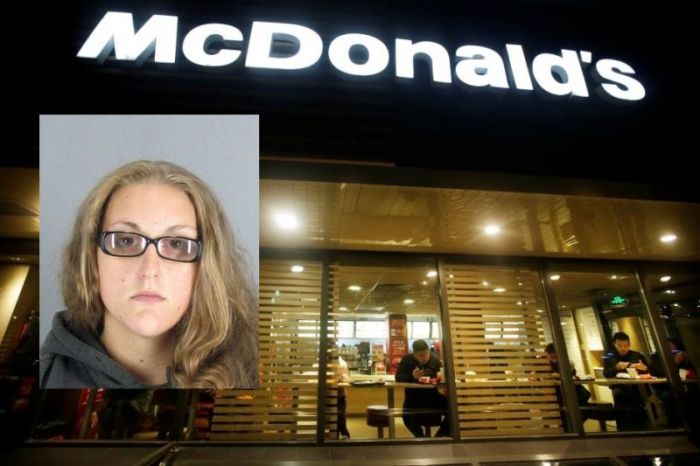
[(618, 301)]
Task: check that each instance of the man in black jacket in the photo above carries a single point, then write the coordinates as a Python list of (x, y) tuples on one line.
[(629, 404), (422, 363)]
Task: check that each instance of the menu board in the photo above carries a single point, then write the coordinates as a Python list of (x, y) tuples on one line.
[(435, 335), (398, 340), (420, 330), (345, 328), (370, 329)]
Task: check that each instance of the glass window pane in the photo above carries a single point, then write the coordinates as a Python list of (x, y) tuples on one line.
[(391, 307), (677, 300), (609, 342)]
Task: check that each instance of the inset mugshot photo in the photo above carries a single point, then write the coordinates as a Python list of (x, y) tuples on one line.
[(149, 251)]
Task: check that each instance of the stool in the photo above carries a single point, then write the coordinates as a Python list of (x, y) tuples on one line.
[(378, 416)]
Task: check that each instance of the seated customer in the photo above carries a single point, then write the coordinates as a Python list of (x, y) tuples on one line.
[(422, 363), (582, 394), (629, 404)]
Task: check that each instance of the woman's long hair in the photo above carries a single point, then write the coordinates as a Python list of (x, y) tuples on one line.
[(215, 342)]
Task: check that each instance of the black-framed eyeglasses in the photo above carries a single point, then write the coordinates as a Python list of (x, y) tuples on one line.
[(174, 248)]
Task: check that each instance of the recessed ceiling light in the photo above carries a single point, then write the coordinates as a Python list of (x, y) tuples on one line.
[(499, 290), (669, 238), (492, 230), (452, 275), (297, 268), (342, 308), (613, 277), (665, 278), (354, 288), (485, 283), (555, 277), (408, 301), (423, 283), (540, 311), (286, 221), (431, 274), (670, 291)]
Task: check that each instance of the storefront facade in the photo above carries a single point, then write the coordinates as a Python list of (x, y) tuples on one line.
[(426, 172)]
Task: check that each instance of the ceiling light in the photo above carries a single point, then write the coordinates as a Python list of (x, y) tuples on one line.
[(665, 278), (555, 277), (492, 230), (408, 301), (297, 268), (431, 274), (499, 290), (669, 238), (286, 221), (354, 288)]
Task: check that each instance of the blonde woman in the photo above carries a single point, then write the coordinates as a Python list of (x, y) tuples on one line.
[(156, 290)]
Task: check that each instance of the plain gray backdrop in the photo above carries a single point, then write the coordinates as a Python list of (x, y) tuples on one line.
[(76, 151)]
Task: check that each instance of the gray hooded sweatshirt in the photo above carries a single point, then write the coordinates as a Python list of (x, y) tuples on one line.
[(73, 358)]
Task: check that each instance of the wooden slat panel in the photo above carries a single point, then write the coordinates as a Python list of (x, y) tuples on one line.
[(512, 408), (284, 407), (496, 341)]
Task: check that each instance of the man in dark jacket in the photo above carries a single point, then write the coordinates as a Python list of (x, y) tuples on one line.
[(629, 404), (422, 363)]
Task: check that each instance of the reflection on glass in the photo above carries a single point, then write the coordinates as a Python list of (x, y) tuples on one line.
[(609, 341), (98, 414)]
